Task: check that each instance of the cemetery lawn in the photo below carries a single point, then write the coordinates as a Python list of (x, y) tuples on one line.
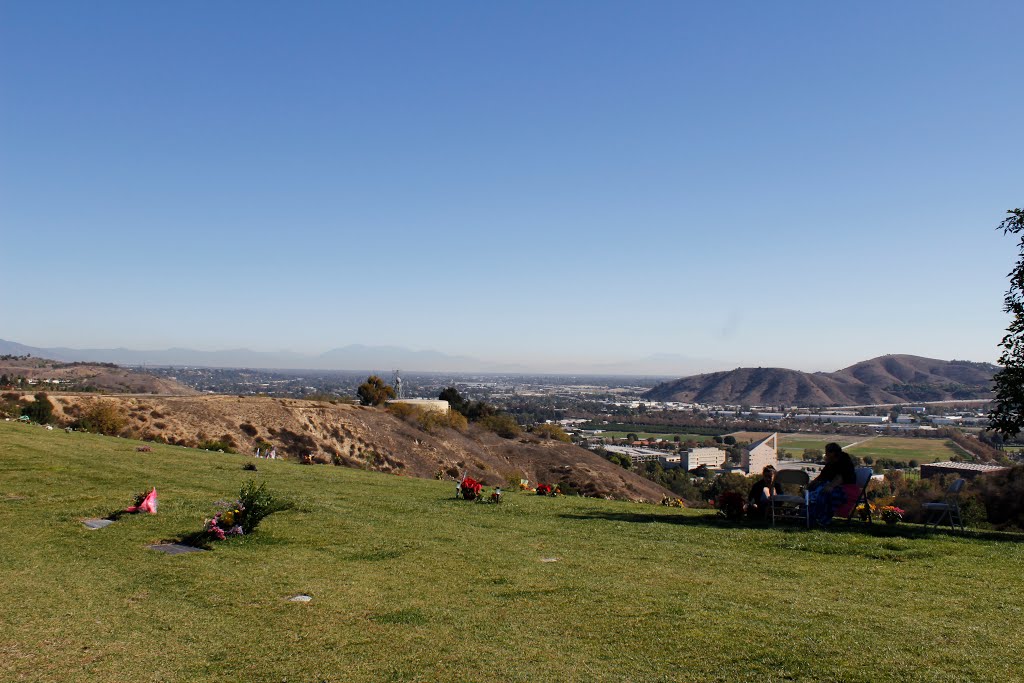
[(409, 584)]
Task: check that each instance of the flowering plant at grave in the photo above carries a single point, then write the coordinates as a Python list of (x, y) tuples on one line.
[(470, 488), (543, 490), (145, 501), (864, 508), (892, 514), (730, 504), (672, 502), (243, 515)]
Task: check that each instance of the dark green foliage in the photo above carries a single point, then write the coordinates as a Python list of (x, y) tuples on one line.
[(729, 440), (217, 445), (479, 410), (259, 504), (1007, 417), (374, 392), (455, 399), (39, 410), (622, 461), (504, 426)]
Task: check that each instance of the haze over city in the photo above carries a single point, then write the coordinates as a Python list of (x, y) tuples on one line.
[(551, 186)]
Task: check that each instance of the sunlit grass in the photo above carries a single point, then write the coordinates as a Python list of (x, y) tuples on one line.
[(411, 585)]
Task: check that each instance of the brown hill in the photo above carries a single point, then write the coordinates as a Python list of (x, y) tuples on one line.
[(104, 377), (368, 438), (886, 379)]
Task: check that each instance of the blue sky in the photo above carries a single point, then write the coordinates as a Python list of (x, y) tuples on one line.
[(795, 184)]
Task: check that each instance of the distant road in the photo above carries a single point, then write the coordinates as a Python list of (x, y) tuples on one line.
[(979, 401)]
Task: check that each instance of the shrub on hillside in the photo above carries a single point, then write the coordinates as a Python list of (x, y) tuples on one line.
[(225, 443), (374, 392), (102, 417), (550, 431), (10, 405), (430, 421), (40, 410), (504, 426)]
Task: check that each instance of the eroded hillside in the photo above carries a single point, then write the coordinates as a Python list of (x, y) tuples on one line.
[(367, 438)]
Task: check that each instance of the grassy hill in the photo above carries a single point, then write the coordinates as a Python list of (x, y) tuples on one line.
[(364, 438), (411, 585)]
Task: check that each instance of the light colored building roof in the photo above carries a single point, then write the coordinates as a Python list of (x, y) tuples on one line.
[(965, 466)]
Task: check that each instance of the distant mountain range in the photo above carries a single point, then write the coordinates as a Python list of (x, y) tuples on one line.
[(886, 379), (358, 357)]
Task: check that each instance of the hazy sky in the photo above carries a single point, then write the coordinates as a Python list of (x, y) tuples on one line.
[(799, 184)]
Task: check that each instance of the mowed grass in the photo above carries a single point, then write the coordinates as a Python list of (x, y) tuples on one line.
[(907, 449), (409, 584), (668, 436), (796, 443)]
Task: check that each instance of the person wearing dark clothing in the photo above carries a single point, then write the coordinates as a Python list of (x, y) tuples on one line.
[(761, 492), (835, 489)]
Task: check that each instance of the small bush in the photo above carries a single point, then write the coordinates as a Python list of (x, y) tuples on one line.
[(504, 426), (39, 410), (216, 445), (430, 421), (550, 431), (103, 417), (248, 429)]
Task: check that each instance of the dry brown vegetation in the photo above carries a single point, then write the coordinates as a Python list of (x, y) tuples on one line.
[(365, 438), (92, 377)]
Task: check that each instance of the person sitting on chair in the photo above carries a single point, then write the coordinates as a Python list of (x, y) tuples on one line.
[(835, 488), (758, 504)]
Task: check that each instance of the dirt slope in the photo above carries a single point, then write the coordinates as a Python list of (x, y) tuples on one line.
[(368, 438), (90, 377)]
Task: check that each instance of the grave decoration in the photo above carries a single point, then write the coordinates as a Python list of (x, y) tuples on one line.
[(470, 488), (243, 515), (892, 514), (544, 490), (730, 505), (144, 502), (496, 495)]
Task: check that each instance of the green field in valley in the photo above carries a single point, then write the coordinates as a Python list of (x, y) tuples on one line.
[(408, 584), (796, 443), (907, 449), (897, 448), (655, 435)]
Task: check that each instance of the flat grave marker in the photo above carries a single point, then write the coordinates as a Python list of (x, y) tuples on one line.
[(174, 548), (97, 523)]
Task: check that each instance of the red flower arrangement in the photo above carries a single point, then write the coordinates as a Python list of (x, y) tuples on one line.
[(543, 490), (730, 504), (470, 488)]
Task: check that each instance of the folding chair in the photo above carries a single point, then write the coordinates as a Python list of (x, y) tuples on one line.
[(863, 479), (789, 506), (948, 508)]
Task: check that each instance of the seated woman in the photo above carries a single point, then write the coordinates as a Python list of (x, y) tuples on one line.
[(835, 489), (761, 492)]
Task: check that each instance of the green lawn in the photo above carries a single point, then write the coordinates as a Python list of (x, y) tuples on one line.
[(411, 585), (796, 443), (656, 435), (906, 449)]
